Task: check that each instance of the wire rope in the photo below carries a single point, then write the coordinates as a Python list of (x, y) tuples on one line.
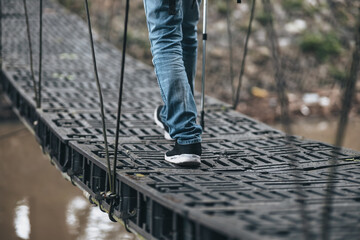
[(285, 117), (237, 94), (347, 96), (230, 45), (100, 95), (30, 51), (40, 53), (118, 118)]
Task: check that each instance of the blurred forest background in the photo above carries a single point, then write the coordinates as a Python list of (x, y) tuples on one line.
[(315, 39)]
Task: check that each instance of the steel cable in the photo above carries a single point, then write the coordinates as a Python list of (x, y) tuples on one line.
[(118, 118), (285, 117), (347, 96), (40, 53), (30, 51), (100, 95), (231, 58), (237, 94)]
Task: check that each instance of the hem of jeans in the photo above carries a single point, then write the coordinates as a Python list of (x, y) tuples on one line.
[(187, 142)]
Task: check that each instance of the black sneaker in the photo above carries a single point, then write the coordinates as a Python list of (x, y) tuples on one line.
[(185, 155), (160, 123)]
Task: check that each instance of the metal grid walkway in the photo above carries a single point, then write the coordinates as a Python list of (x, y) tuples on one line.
[(247, 186)]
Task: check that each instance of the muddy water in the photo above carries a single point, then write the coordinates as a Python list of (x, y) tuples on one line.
[(325, 131), (37, 202)]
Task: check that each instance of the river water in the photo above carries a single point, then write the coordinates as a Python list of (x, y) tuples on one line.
[(38, 203), (325, 131)]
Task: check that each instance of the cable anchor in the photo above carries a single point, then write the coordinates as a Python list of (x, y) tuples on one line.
[(125, 216)]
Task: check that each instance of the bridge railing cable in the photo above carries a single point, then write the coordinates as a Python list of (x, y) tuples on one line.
[(236, 98), (231, 55), (118, 118), (30, 52), (347, 97), (40, 52), (281, 87), (112, 195), (100, 96)]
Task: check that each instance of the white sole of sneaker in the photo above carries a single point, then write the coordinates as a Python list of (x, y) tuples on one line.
[(159, 124), (167, 136), (184, 159)]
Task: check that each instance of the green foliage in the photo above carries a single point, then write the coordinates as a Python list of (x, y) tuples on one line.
[(338, 74), (321, 45), (263, 18), (291, 5), (75, 6), (341, 16), (221, 7), (136, 39)]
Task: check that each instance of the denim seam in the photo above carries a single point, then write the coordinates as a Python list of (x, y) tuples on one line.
[(187, 142)]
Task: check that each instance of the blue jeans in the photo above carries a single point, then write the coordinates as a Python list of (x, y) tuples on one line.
[(173, 41)]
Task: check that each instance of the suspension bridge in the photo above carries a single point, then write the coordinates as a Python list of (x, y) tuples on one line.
[(254, 182)]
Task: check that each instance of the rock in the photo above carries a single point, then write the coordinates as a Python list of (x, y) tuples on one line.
[(284, 42), (312, 3), (305, 110), (296, 26), (260, 35), (261, 55), (292, 97), (324, 101), (310, 98), (251, 68), (259, 92)]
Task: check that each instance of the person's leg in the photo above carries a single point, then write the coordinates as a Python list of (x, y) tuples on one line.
[(191, 15), (165, 33)]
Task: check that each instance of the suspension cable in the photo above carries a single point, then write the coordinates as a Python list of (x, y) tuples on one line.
[(100, 95), (237, 96), (30, 51), (118, 118), (40, 52), (285, 117), (231, 58), (347, 96)]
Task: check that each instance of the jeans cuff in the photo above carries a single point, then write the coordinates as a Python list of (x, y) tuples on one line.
[(187, 142)]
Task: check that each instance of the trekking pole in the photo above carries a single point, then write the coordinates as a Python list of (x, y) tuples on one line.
[(202, 103), (202, 122)]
